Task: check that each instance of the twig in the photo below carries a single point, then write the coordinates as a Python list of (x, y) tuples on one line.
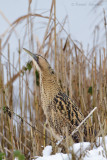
[(7, 109), (83, 121), (10, 112), (102, 131)]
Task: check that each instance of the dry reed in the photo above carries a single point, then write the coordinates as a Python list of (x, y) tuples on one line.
[(83, 78)]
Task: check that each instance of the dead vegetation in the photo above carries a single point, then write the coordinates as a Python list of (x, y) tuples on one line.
[(82, 75)]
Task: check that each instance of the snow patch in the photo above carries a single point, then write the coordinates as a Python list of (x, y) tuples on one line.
[(47, 151), (95, 154), (57, 156), (80, 149)]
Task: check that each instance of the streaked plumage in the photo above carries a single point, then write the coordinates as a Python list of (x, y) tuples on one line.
[(62, 115)]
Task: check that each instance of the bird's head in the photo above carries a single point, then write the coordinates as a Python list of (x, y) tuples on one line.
[(40, 62)]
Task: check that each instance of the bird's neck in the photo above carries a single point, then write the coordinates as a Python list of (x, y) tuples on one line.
[(49, 88)]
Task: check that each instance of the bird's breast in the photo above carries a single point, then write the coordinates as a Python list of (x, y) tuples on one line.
[(48, 89)]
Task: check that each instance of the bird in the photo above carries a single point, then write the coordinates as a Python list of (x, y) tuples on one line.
[(62, 114)]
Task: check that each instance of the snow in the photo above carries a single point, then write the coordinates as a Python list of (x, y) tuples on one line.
[(57, 156), (95, 154), (80, 149), (47, 151)]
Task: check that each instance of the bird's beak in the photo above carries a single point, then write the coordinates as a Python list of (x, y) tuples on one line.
[(31, 54)]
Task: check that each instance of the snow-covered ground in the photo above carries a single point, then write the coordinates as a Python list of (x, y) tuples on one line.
[(82, 150)]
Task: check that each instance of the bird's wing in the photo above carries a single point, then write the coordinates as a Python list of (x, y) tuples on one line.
[(68, 110)]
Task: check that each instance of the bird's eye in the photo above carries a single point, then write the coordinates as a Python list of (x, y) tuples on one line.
[(36, 58), (52, 72)]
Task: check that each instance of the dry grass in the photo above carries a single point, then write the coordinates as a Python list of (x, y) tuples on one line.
[(83, 77)]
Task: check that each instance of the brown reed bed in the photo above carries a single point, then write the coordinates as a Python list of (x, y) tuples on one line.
[(83, 76)]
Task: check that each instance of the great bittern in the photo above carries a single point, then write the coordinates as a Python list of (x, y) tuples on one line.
[(62, 115)]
